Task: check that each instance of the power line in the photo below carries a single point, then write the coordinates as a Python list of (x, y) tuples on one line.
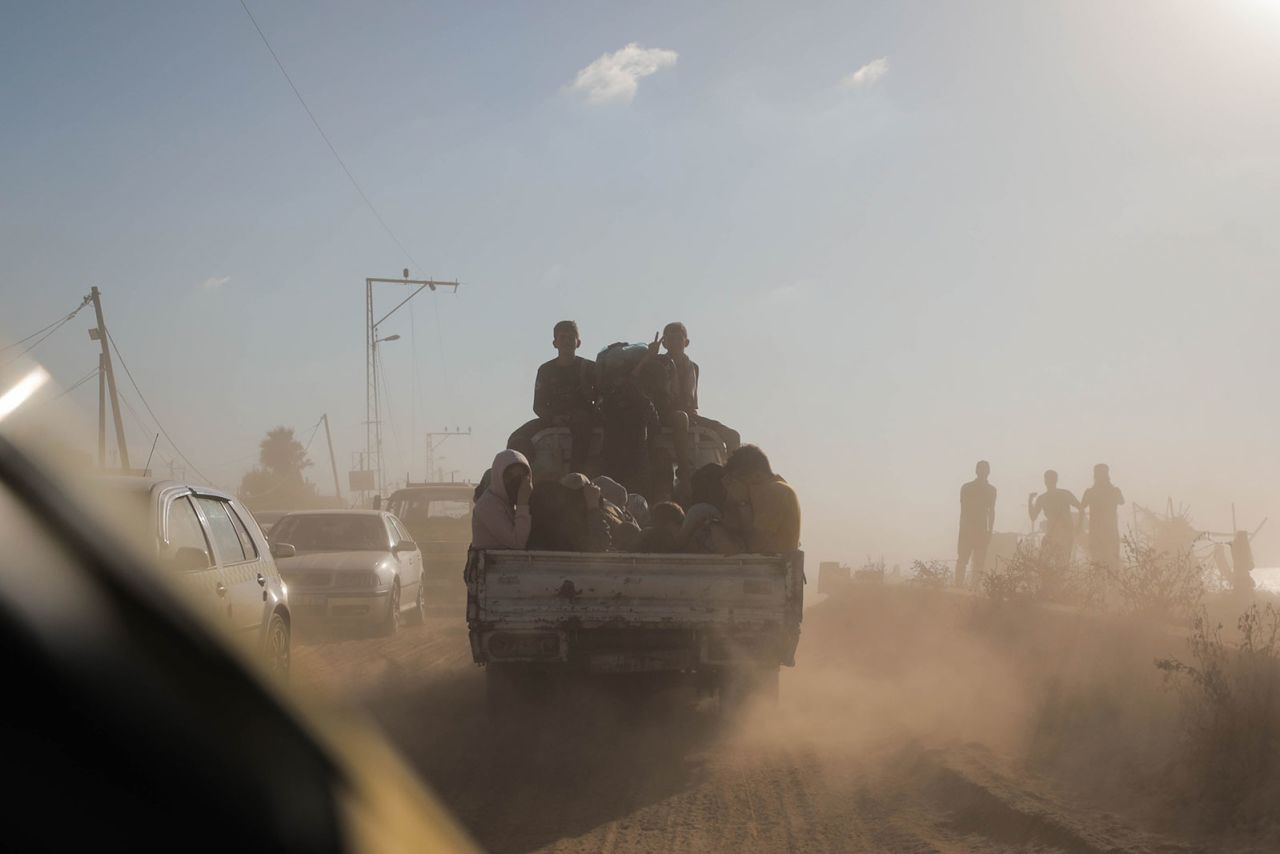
[(150, 411), (78, 383), (325, 137), (48, 330), (137, 419), (314, 430)]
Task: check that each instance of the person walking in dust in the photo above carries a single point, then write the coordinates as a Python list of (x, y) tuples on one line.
[(1056, 504), (977, 520), (1101, 502)]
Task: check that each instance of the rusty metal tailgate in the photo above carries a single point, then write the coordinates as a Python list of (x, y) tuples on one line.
[(539, 589)]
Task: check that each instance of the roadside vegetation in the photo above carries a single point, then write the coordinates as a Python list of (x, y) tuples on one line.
[(1197, 736), (1229, 771)]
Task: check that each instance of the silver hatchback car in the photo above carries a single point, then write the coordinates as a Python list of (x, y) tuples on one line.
[(217, 552), (350, 568)]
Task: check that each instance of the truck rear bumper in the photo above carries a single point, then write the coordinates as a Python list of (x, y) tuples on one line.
[(633, 650)]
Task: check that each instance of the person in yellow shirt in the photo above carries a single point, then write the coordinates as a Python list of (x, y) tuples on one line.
[(762, 507)]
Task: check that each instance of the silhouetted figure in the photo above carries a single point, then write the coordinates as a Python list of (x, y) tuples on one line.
[(567, 516), (761, 508), (977, 520), (1101, 502), (666, 520), (564, 395), (1056, 504)]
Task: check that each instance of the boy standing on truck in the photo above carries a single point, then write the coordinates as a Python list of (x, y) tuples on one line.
[(564, 395)]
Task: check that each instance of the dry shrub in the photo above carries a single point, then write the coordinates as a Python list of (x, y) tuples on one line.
[(1030, 575), (1231, 697), (931, 573), (1153, 581)]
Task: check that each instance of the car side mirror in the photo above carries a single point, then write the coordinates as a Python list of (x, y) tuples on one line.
[(282, 550), (404, 546), (189, 559)]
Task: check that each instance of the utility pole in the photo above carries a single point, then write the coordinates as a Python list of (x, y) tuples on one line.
[(102, 413), (333, 463), (373, 418), (432, 444), (100, 335)]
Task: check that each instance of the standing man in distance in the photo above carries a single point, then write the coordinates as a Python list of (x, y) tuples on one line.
[(1102, 504), (564, 395), (1056, 504), (977, 520)]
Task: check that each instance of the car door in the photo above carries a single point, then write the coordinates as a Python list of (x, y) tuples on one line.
[(240, 561), (182, 534), (410, 562)]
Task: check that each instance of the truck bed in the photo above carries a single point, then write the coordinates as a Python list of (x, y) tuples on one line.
[(623, 611)]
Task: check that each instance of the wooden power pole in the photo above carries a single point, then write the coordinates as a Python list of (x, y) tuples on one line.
[(102, 413), (100, 335), (333, 463)]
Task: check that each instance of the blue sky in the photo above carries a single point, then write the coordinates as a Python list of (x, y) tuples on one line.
[(1047, 236)]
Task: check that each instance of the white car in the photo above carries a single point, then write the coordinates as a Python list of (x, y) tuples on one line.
[(349, 568), (215, 550)]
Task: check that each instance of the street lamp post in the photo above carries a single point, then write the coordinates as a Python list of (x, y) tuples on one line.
[(377, 409), (373, 423)]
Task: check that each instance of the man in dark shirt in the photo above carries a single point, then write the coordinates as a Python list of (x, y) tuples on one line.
[(1056, 504), (1102, 504), (564, 395), (977, 519)]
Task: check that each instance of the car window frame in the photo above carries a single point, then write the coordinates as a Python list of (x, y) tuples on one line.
[(237, 522), (167, 507), (199, 496), (388, 525), (401, 530)]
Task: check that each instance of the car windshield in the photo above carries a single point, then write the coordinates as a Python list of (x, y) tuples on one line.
[(425, 511), (332, 532)]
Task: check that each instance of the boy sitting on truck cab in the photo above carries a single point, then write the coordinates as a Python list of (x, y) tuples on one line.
[(671, 379), (564, 395)]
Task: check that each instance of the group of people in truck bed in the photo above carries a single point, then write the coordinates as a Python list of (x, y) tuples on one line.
[(740, 507), (632, 392)]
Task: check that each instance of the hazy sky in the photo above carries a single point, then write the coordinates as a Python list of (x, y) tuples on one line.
[(904, 236)]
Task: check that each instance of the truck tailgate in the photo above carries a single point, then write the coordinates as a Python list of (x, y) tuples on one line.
[(543, 589)]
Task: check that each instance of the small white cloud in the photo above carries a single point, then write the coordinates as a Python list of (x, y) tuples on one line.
[(867, 75), (614, 77), (214, 282)]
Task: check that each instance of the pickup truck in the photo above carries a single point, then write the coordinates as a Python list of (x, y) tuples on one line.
[(726, 623), (438, 516)]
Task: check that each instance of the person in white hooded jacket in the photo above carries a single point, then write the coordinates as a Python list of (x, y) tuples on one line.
[(501, 517)]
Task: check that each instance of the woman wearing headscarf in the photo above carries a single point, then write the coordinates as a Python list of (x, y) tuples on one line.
[(501, 517)]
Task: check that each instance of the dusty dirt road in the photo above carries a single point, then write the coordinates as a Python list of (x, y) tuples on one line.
[(897, 731)]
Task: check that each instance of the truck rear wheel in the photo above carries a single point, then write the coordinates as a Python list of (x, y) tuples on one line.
[(738, 687)]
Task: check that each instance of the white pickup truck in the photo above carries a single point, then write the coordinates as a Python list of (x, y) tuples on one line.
[(727, 623)]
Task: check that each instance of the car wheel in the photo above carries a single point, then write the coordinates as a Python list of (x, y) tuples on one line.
[(391, 622), (416, 616), (276, 646)]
